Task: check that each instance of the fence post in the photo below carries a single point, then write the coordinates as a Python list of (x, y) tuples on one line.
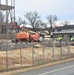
[(53, 48), (43, 54), (7, 56), (20, 53), (7, 48), (68, 47), (61, 48), (32, 54)]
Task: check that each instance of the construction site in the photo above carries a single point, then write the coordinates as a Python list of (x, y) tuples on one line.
[(22, 48)]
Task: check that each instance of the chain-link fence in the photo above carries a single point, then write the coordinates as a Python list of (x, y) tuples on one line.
[(31, 54)]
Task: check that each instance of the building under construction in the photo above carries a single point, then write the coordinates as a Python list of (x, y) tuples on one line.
[(7, 8)]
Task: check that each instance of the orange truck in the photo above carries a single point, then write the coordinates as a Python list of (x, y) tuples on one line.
[(23, 36), (35, 37)]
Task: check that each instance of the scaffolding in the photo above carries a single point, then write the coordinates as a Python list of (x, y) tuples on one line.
[(9, 14), (9, 9)]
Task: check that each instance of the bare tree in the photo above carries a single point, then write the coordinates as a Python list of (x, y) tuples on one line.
[(1, 17), (51, 20), (66, 23), (44, 25), (20, 21), (33, 19)]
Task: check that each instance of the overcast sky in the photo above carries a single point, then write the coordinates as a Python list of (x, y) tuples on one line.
[(64, 9)]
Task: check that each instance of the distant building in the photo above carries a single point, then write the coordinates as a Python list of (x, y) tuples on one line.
[(65, 31), (64, 28)]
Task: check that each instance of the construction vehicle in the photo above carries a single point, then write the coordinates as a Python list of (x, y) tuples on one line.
[(22, 36), (26, 37), (35, 37)]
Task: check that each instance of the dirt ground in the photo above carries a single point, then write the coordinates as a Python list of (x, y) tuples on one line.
[(37, 53), (36, 67)]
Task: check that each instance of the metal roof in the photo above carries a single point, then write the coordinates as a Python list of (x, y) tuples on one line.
[(64, 32)]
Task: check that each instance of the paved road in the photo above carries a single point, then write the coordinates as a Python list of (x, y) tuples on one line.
[(60, 69)]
